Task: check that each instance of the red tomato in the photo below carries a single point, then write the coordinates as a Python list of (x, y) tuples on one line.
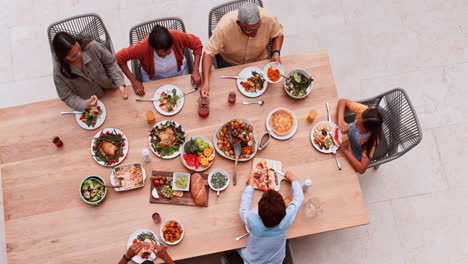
[(117, 160), (107, 133), (119, 134), (94, 147), (98, 108), (123, 144), (102, 135), (121, 155), (96, 113)]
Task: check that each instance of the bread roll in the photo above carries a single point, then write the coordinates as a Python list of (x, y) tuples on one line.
[(198, 190)]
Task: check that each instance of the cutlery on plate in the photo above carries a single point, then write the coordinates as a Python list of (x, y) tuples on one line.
[(143, 100), (260, 102), (162, 243), (231, 77), (74, 112), (191, 91), (240, 237), (334, 147), (328, 111), (237, 151)]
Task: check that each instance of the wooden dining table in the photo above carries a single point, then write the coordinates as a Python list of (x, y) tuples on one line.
[(47, 221)]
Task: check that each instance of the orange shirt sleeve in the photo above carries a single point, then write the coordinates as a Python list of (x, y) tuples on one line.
[(189, 41), (134, 52)]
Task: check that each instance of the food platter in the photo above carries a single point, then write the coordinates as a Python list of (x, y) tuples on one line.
[(109, 147), (263, 174), (166, 139), (218, 142), (291, 123), (244, 76), (91, 120), (169, 100), (134, 176), (327, 137), (197, 153), (138, 258)]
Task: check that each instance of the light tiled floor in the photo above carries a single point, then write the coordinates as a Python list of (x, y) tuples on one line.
[(417, 204)]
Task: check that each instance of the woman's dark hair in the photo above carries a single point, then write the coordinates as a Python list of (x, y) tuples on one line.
[(160, 38), (372, 120), (271, 208), (62, 44)]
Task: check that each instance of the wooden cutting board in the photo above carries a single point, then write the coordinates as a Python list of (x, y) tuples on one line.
[(186, 199), (270, 164)]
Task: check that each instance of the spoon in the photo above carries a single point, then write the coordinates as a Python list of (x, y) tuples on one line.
[(191, 91), (237, 152), (217, 193), (260, 102), (110, 186)]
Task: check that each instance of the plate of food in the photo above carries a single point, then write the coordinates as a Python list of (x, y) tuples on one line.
[(325, 135), (148, 239), (251, 82), (298, 84), (166, 139), (130, 176), (263, 175), (218, 179), (170, 100), (109, 147), (172, 232), (92, 118), (274, 72), (281, 123), (197, 153), (92, 190), (238, 130)]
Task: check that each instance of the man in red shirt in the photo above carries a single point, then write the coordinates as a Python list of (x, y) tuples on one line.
[(161, 56)]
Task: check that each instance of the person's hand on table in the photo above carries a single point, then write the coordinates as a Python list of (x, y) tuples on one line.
[(290, 176), (92, 101), (133, 250), (196, 77), (124, 92), (161, 252), (344, 127), (249, 181), (276, 58), (138, 88)]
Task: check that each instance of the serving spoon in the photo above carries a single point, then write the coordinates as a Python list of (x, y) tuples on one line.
[(110, 186), (237, 151)]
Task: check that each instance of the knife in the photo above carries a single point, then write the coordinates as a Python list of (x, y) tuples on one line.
[(279, 172), (276, 175)]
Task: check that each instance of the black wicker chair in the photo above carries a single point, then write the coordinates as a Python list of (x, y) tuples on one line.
[(87, 25), (217, 12), (233, 257), (401, 130), (141, 31)]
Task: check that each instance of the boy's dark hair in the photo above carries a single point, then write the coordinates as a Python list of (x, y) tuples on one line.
[(160, 38), (271, 208)]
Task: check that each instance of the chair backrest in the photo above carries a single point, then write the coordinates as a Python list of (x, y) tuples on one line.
[(401, 128), (217, 12), (141, 31), (87, 25)]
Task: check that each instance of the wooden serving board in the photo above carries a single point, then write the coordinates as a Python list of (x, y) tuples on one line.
[(186, 199), (270, 164)]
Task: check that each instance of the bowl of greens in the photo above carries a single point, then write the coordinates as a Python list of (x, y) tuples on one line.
[(166, 139), (92, 189), (218, 179), (298, 83)]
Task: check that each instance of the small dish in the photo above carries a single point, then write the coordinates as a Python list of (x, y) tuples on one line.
[(308, 89), (275, 66), (176, 175), (94, 178), (210, 176), (166, 225)]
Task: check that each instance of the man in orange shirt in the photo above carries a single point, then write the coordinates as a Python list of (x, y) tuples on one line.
[(241, 36), (161, 56)]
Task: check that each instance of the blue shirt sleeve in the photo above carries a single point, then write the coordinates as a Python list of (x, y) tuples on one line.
[(245, 203), (295, 204)]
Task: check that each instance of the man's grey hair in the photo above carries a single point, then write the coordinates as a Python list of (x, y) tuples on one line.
[(249, 14)]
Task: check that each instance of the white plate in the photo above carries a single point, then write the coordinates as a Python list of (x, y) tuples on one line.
[(125, 148), (168, 88), (175, 154), (309, 89), (275, 65), (175, 175), (215, 140), (182, 152), (137, 258), (115, 182), (99, 121), (273, 134), (333, 126), (246, 73), (161, 233), (211, 175)]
